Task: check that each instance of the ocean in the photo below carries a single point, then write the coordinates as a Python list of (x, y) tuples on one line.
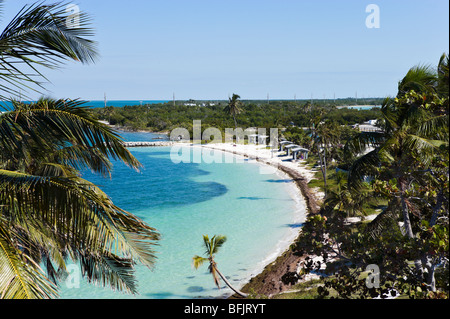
[(259, 213), (101, 103), (122, 103), (360, 107)]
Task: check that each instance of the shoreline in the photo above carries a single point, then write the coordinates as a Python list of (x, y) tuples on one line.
[(266, 276), (268, 281)]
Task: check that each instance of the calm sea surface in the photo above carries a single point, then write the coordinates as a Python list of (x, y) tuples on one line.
[(101, 103), (260, 214)]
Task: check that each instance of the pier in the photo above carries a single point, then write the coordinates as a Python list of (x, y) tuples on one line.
[(148, 144)]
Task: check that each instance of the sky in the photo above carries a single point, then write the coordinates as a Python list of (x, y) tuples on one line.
[(284, 49)]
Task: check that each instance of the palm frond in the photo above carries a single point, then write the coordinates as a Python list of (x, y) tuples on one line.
[(39, 35), (81, 157), (436, 126), (109, 269), (383, 219), (217, 242), (20, 278), (358, 144), (70, 124), (443, 76), (363, 167), (78, 213), (421, 78), (198, 261)]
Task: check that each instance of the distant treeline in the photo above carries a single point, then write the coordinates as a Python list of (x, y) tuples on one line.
[(261, 114)]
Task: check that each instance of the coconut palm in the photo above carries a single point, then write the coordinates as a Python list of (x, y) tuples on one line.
[(234, 107), (415, 134), (212, 246), (50, 215), (443, 76), (421, 78), (326, 139), (411, 133), (346, 200)]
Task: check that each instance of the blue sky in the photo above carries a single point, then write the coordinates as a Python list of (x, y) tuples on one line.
[(208, 49)]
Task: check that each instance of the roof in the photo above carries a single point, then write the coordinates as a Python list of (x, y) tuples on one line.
[(299, 149)]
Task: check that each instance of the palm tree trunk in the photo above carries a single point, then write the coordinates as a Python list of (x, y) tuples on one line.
[(407, 225), (406, 220), (430, 265), (436, 208), (427, 260), (242, 294), (323, 168)]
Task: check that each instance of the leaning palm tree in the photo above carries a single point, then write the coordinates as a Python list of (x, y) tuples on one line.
[(212, 246), (234, 107)]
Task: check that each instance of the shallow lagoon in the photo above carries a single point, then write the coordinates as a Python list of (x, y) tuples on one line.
[(259, 211)]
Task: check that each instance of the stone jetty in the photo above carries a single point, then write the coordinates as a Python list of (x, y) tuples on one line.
[(147, 144)]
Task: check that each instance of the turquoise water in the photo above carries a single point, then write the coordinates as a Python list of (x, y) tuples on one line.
[(363, 107), (143, 136), (259, 213), (121, 103)]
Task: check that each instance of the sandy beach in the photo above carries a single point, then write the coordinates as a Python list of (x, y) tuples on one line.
[(262, 154)]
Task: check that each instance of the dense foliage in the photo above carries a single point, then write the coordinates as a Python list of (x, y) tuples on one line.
[(275, 114), (406, 165)]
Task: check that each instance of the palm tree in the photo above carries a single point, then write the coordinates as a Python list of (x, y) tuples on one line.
[(346, 200), (443, 76), (234, 107), (421, 78), (39, 36), (415, 133), (411, 133), (326, 139), (50, 214), (212, 246)]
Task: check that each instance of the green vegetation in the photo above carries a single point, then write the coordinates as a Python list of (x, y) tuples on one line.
[(234, 107), (403, 170), (276, 114), (49, 215)]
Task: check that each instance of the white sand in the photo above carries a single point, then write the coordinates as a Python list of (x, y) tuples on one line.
[(265, 155)]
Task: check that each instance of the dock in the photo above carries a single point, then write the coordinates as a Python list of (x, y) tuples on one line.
[(148, 144)]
